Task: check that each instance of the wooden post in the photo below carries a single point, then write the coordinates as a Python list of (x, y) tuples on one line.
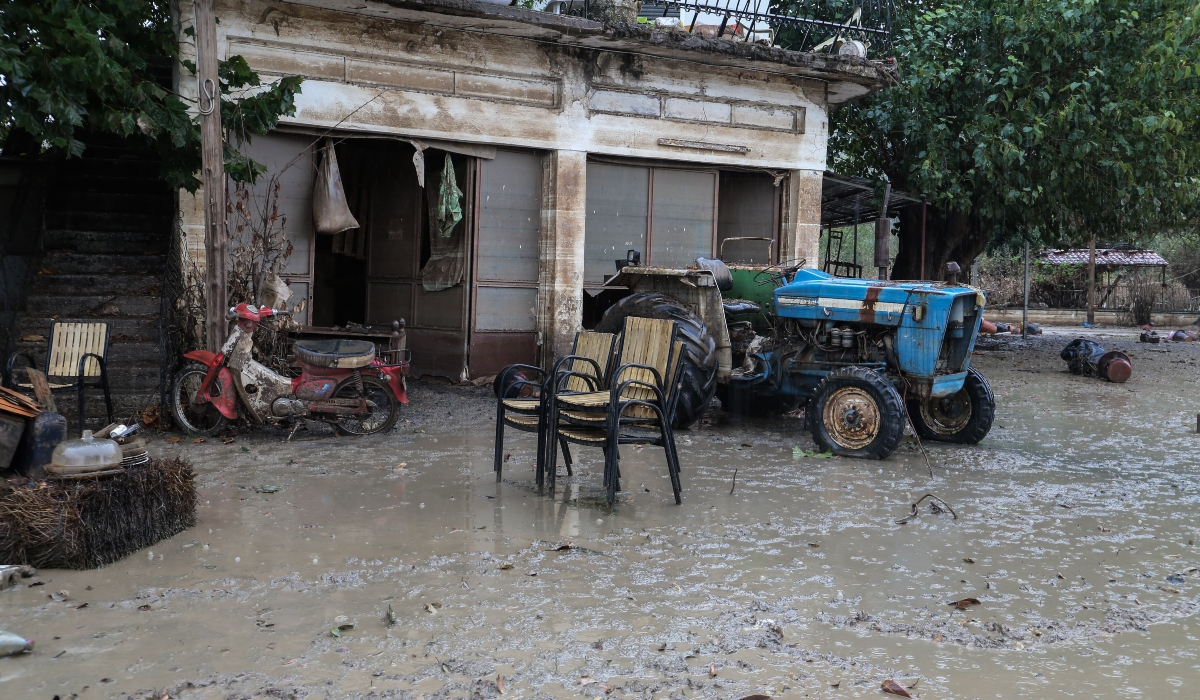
[(1025, 307), (1091, 299), (213, 171)]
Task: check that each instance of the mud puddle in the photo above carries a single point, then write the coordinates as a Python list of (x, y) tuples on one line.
[(1074, 532)]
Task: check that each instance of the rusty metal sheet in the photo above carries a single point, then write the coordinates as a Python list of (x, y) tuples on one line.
[(618, 204), (510, 209), (683, 213), (747, 208)]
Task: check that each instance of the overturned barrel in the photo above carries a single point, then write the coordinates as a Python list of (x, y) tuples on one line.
[(1115, 366)]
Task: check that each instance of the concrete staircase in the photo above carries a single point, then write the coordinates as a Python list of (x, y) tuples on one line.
[(106, 230)]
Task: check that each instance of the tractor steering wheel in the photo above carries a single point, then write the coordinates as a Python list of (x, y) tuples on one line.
[(777, 274)]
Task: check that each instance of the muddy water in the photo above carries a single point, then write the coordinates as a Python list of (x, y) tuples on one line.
[(1075, 519)]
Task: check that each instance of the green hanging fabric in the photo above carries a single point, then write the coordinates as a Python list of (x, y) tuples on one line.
[(449, 204)]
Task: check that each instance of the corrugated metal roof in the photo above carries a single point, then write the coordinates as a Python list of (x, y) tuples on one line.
[(1108, 257)]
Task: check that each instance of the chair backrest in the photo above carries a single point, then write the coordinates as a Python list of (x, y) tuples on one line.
[(70, 341), (594, 346), (645, 341)]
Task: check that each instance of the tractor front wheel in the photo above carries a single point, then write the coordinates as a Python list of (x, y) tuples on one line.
[(856, 412), (964, 417)]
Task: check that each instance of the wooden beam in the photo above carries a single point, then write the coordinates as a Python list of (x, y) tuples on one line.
[(1091, 299), (41, 389), (213, 171)]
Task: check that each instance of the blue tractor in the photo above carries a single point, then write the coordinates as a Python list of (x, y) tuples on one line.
[(862, 356)]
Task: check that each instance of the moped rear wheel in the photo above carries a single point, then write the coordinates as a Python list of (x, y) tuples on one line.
[(383, 408), (198, 418)]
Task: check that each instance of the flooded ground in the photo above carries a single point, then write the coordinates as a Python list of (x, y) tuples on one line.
[(1075, 531)]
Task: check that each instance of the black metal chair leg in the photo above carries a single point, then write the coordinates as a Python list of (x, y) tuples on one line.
[(82, 401), (499, 460), (107, 396), (567, 456)]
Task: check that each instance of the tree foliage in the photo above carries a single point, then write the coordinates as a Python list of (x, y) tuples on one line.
[(1052, 120), (70, 67)]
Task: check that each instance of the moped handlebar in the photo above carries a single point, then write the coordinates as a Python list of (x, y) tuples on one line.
[(262, 312)]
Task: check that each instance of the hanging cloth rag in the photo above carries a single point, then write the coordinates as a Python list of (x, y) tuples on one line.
[(449, 206), (447, 259), (331, 212)]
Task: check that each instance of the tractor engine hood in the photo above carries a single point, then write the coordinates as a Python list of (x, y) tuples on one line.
[(936, 323)]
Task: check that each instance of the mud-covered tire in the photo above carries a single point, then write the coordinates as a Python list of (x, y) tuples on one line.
[(964, 417), (699, 379), (380, 420), (856, 412), (191, 417)]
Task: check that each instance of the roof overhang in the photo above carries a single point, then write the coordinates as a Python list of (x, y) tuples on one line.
[(847, 78)]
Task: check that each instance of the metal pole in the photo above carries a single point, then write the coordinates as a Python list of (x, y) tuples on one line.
[(1025, 308), (213, 172), (923, 277)]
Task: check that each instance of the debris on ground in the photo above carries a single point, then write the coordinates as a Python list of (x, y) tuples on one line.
[(13, 644), (1088, 359), (936, 506), (891, 686)]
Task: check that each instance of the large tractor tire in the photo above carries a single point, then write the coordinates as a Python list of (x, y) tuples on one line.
[(964, 417), (856, 412), (699, 378)]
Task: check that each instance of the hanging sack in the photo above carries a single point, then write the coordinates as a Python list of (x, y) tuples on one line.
[(331, 213)]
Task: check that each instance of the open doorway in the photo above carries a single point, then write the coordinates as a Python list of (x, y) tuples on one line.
[(404, 260)]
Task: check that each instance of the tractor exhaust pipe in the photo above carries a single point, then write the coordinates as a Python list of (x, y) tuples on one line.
[(883, 235)]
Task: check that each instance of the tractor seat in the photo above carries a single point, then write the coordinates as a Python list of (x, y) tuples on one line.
[(739, 307), (720, 272), (336, 354)]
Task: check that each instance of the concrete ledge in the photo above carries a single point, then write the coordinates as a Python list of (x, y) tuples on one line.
[(1076, 317)]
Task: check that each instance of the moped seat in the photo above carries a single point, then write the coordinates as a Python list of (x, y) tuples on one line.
[(336, 354)]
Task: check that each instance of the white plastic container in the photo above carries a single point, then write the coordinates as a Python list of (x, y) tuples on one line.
[(87, 454), (11, 644)]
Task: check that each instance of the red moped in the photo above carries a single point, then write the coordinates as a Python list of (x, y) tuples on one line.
[(342, 382)]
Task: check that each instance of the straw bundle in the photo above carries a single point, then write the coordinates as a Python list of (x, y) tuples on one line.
[(87, 524)]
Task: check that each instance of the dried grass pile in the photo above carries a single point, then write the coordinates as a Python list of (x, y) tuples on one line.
[(89, 523)]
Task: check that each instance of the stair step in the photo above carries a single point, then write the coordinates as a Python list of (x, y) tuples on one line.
[(105, 242), (152, 202), (97, 285), (138, 328), (109, 167), (109, 221), (67, 262), (82, 182), (88, 305)]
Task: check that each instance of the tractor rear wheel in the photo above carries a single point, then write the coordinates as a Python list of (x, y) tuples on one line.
[(964, 417), (856, 412), (699, 378)]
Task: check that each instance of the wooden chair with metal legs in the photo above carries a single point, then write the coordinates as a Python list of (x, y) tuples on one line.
[(526, 390), (76, 358), (635, 409)]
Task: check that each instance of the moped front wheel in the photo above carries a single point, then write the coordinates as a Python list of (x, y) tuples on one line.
[(383, 410), (195, 418)]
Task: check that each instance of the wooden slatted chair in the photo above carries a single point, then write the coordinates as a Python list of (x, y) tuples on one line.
[(584, 370), (636, 407), (76, 358)]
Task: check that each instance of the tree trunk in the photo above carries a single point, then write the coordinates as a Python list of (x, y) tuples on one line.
[(949, 236)]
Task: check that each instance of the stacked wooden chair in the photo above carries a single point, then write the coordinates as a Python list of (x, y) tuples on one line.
[(524, 391), (603, 401)]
